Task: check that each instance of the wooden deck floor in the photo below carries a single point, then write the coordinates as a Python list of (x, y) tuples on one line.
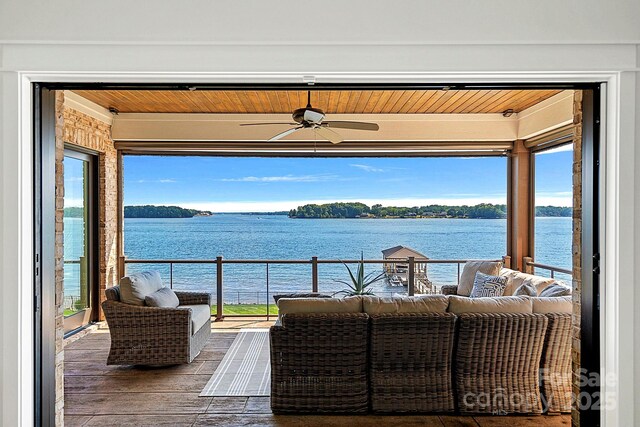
[(101, 395)]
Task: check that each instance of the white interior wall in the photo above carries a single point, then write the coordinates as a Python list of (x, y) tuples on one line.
[(257, 40)]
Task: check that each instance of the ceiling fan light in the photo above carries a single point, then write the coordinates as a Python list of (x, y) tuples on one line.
[(313, 116)]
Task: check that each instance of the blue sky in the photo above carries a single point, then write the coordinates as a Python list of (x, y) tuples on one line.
[(225, 184)]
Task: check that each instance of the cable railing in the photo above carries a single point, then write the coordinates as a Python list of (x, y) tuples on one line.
[(415, 278), (531, 265)]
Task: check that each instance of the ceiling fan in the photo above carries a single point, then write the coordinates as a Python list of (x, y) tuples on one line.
[(313, 118)]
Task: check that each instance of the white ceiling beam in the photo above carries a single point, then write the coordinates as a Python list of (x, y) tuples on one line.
[(546, 116), (393, 127)]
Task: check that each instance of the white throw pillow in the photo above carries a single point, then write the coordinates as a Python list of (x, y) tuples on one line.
[(468, 275), (526, 289), (163, 297), (485, 285), (135, 287), (555, 290), (518, 278)]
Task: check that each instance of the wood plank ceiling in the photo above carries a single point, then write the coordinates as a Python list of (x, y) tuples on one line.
[(336, 102)]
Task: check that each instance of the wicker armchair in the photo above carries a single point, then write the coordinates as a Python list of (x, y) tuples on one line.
[(411, 362), (142, 335), (555, 366), (497, 361), (319, 363)]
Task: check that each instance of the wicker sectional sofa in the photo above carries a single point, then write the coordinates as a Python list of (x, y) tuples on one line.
[(422, 354)]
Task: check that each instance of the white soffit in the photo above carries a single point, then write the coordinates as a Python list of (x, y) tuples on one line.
[(393, 127)]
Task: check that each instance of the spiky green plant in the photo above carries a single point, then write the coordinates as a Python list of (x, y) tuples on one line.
[(359, 282)]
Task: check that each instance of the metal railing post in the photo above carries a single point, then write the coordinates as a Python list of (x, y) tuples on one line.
[(171, 275), (458, 275), (219, 299), (411, 285), (314, 274), (267, 291)]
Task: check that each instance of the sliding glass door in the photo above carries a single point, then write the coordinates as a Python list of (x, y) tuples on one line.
[(79, 239)]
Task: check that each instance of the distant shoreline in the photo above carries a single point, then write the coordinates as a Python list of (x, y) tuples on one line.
[(361, 210)]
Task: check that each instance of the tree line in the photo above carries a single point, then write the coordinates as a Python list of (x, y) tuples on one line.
[(360, 210), (151, 211), (146, 211)]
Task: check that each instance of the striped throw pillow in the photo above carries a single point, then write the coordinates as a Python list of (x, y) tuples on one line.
[(485, 285)]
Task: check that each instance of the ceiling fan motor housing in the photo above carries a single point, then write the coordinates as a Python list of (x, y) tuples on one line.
[(298, 115)]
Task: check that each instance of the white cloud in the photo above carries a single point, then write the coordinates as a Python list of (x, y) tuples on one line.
[(156, 181), (560, 149), (366, 168), (71, 202), (285, 178)]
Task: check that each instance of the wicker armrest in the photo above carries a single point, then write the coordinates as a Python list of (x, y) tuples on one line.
[(193, 298), (449, 289)]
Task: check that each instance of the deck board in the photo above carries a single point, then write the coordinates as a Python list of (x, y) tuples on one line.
[(101, 395)]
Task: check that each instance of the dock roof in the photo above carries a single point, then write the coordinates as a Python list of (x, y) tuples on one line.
[(402, 252)]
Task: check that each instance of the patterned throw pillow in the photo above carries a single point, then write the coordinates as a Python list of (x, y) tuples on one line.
[(556, 290), (485, 285), (526, 290)]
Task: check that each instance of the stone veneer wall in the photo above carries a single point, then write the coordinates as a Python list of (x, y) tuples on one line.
[(81, 130), (577, 248)]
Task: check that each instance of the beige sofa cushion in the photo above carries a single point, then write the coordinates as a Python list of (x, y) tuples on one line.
[(469, 274), (517, 279), (415, 304), (459, 305), (320, 305), (200, 313), (552, 304), (135, 287)]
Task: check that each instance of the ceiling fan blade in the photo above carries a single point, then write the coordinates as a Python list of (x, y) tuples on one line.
[(313, 116), (328, 134), (351, 125), (285, 133), (270, 123)]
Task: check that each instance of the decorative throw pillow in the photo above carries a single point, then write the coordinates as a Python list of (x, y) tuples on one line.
[(486, 285), (469, 274), (163, 297), (555, 290), (526, 290)]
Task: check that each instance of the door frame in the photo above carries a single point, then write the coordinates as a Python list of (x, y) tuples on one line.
[(611, 329)]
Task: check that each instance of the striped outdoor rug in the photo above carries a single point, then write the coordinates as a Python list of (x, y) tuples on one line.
[(246, 369)]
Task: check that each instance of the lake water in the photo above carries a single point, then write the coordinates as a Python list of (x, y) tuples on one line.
[(279, 237)]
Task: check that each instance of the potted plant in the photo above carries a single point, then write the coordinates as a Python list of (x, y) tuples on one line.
[(360, 282)]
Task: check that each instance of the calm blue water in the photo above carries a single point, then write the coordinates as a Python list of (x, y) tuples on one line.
[(278, 237)]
